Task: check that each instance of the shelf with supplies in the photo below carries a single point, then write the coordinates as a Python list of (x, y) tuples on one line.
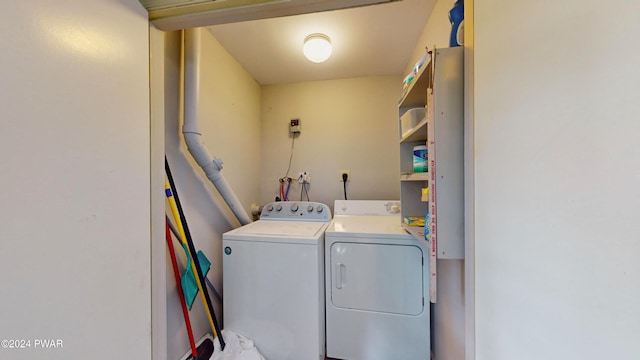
[(431, 132), (436, 97), (413, 133), (414, 94)]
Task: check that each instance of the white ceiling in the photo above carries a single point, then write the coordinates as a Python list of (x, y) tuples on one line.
[(367, 41)]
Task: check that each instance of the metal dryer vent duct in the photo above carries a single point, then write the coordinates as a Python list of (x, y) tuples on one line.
[(192, 136)]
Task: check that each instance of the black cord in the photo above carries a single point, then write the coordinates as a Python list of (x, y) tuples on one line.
[(344, 183), (345, 189)]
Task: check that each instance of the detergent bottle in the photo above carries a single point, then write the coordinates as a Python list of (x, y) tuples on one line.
[(456, 17)]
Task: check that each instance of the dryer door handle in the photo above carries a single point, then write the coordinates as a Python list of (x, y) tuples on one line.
[(341, 271)]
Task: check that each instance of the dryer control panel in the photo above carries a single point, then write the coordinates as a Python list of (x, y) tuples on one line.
[(367, 207), (296, 210)]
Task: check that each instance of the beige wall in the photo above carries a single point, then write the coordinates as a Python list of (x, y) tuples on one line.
[(346, 124), (556, 180), (436, 32), (75, 216), (229, 119)]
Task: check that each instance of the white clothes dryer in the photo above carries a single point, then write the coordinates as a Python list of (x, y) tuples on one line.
[(273, 279), (377, 285)]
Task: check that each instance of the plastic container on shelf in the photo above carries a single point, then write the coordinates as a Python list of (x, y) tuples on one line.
[(424, 59), (406, 82), (411, 118), (420, 159)]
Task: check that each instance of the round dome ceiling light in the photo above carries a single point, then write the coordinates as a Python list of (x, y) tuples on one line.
[(317, 48)]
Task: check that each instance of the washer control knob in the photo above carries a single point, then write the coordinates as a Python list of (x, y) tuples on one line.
[(310, 208), (395, 209), (294, 207), (278, 207), (319, 208), (270, 207)]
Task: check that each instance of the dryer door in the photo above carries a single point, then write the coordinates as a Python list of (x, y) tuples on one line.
[(377, 277)]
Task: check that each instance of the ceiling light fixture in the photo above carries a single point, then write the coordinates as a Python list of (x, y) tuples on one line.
[(317, 48)]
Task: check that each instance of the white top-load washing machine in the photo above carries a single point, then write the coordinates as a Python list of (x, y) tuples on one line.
[(273, 280), (377, 285)]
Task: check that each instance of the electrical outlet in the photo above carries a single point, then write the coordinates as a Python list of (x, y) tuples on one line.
[(304, 177), (341, 172)]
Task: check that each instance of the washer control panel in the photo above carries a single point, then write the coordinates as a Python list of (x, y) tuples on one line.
[(296, 210)]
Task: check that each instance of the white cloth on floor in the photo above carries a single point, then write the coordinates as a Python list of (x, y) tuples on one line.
[(237, 347)]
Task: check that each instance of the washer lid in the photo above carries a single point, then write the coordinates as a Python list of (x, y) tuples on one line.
[(287, 229), (369, 226)]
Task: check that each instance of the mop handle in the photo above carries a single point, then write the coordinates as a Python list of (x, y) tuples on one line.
[(174, 202), (174, 210), (185, 312)]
